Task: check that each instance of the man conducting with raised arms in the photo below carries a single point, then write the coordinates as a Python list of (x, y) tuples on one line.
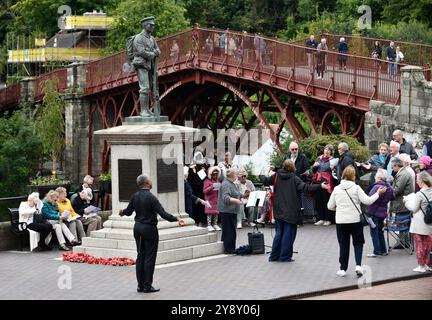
[(146, 207)]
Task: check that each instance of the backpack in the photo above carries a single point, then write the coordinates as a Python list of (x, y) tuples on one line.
[(428, 212), (130, 48)]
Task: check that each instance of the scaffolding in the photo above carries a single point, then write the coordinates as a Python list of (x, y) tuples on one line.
[(82, 38)]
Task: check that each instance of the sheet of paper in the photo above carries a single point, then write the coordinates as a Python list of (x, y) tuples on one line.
[(66, 214), (216, 186), (201, 174), (254, 196), (91, 209), (73, 218), (334, 162)]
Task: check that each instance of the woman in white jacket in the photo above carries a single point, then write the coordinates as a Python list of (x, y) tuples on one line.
[(422, 232), (30, 212), (345, 200)]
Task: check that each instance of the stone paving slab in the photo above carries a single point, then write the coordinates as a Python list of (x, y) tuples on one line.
[(36, 275), (417, 289)]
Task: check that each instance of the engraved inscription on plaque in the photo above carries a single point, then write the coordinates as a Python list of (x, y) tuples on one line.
[(167, 175), (128, 170)]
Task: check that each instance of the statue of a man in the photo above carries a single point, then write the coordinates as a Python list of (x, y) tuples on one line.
[(145, 54)]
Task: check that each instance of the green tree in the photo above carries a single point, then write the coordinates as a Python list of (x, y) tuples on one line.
[(170, 18), (42, 16), (20, 153), (396, 11), (50, 123)]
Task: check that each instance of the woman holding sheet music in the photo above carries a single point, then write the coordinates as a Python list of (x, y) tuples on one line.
[(65, 208), (82, 205), (287, 209), (51, 214)]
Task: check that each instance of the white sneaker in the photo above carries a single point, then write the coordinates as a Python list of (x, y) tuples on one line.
[(371, 255), (359, 271), (210, 229), (319, 78), (239, 225), (327, 223), (319, 223), (260, 220), (216, 227), (427, 267), (420, 269), (341, 273), (251, 224)]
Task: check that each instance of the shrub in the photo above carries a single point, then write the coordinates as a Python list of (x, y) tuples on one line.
[(313, 147)]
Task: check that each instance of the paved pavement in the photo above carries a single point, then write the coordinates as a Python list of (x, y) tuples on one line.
[(44, 276), (417, 289)]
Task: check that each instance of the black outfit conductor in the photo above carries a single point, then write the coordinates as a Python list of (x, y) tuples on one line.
[(146, 207)]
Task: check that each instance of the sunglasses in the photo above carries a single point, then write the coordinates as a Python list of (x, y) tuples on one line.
[(294, 149), (242, 176)]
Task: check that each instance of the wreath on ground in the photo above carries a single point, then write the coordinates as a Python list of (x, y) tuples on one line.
[(86, 258)]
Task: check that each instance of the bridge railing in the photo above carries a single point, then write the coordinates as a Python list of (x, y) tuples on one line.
[(363, 77), (59, 74), (10, 95), (417, 54)]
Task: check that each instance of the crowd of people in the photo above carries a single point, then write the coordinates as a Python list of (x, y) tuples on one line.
[(396, 173), (66, 217), (317, 56), (400, 184)]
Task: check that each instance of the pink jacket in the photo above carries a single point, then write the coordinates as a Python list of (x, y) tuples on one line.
[(210, 194)]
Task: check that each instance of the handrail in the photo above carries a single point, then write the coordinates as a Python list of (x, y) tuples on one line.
[(277, 50)]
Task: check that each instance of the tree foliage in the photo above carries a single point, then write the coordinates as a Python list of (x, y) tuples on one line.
[(170, 18), (313, 147), (50, 123), (20, 153)]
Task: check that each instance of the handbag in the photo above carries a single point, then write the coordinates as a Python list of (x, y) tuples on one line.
[(363, 220), (256, 241)]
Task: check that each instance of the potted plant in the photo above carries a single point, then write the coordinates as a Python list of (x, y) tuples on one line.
[(105, 182), (50, 128), (45, 184)]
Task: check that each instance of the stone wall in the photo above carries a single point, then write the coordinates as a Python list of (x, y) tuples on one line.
[(413, 116)]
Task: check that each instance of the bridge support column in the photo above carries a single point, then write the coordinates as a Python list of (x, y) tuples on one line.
[(76, 138), (27, 92), (413, 116), (77, 124)]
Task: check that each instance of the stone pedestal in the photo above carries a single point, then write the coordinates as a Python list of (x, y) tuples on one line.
[(156, 150)]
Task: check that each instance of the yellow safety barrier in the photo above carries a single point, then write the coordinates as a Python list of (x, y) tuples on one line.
[(53, 54), (88, 22)]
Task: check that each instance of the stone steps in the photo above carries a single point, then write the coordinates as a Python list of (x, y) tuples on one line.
[(165, 256), (164, 234), (117, 222), (163, 245), (175, 243)]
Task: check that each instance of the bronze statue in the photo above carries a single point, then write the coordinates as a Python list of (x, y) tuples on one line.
[(143, 52)]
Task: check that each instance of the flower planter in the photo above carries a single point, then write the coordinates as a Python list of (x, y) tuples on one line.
[(105, 186), (43, 189)]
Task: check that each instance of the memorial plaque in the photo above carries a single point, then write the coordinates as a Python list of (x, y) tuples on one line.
[(128, 170), (167, 175)]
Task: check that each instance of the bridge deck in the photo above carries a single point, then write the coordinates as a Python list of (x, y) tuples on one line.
[(278, 64)]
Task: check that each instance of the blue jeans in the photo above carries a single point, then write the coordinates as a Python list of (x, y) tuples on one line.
[(283, 242), (377, 235), (389, 68)]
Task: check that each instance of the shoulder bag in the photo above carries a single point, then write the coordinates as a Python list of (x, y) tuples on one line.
[(363, 220)]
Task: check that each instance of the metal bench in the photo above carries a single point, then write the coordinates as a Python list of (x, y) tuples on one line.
[(19, 228)]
